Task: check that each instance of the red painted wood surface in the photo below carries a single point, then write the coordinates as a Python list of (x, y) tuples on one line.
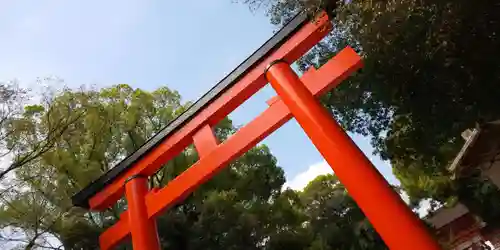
[(317, 81), (291, 50)]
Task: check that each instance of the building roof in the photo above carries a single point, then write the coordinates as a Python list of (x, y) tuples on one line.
[(479, 147), (446, 215), (482, 145)]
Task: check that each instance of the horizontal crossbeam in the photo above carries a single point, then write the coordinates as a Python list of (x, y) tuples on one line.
[(298, 44), (216, 157), (82, 198)]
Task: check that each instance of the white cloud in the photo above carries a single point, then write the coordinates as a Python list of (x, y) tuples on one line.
[(302, 179), (423, 210), (424, 207)]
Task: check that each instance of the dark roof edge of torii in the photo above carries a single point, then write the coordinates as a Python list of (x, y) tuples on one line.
[(81, 199)]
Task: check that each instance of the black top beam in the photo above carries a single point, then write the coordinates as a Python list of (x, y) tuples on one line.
[(81, 198)]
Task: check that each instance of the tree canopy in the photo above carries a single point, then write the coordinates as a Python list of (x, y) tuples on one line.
[(243, 207), (429, 74)]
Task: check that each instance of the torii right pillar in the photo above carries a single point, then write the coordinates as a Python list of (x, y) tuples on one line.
[(368, 188)]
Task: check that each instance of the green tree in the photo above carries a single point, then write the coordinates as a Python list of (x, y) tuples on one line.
[(13, 124), (289, 223), (243, 207), (322, 216), (229, 211), (335, 219), (429, 74)]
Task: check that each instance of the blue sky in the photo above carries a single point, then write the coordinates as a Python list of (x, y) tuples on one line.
[(147, 44)]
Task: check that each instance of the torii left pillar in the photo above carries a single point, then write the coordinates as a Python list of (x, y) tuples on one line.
[(143, 229)]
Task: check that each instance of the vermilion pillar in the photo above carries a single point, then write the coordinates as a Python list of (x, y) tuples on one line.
[(394, 221), (143, 229)]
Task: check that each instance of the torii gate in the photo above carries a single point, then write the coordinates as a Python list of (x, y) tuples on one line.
[(393, 220)]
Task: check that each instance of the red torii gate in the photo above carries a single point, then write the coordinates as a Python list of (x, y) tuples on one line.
[(393, 220)]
